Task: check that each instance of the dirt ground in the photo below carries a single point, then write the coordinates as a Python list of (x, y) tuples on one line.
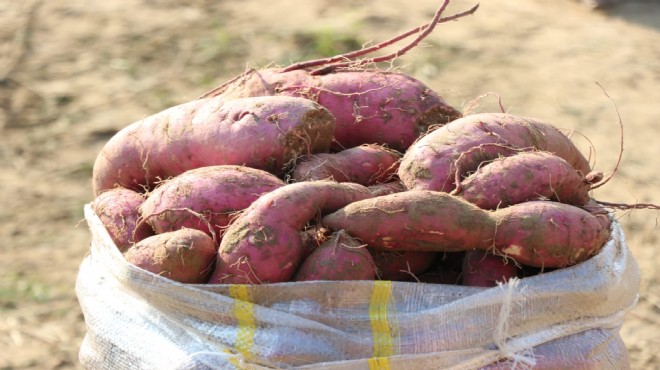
[(72, 73)]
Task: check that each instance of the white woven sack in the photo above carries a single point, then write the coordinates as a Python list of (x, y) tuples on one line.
[(568, 318)]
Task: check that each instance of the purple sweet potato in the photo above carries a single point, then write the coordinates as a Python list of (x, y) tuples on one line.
[(415, 220), (341, 257), (267, 133), (484, 269), (118, 210), (184, 255), (549, 234), (401, 266), (264, 245), (206, 198), (522, 177), (367, 164), (460, 147), (535, 233), (371, 107)]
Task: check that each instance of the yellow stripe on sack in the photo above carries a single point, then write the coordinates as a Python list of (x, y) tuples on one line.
[(244, 312), (379, 363), (380, 326)]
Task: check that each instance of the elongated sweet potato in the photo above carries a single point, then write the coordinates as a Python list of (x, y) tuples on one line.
[(460, 147), (535, 233), (264, 243), (484, 269), (341, 257), (415, 221), (524, 176), (184, 255), (206, 198), (265, 132), (367, 164), (371, 107), (118, 210)]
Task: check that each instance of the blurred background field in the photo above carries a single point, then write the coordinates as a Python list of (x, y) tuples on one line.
[(72, 73)]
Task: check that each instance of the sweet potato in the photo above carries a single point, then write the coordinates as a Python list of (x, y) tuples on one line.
[(341, 257), (401, 266), (524, 176), (438, 159), (264, 243), (535, 233), (184, 255), (548, 234), (265, 132), (205, 198), (484, 269), (370, 107), (367, 164), (118, 210), (415, 220)]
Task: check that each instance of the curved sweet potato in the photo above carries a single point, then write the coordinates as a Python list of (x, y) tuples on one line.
[(524, 176), (118, 210), (264, 243), (267, 133), (367, 164), (341, 257), (184, 255), (371, 107), (548, 234), (463, 145), (205, 197)]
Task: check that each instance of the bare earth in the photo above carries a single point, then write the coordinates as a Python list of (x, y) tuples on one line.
[(73, 72)]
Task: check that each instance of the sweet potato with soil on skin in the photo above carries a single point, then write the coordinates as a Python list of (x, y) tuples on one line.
[(484, 269), (118, 210), (535, 233), (264, 245), (367, 164), (267, 133), (548, 234), (460, 147), (370, 107), (386, 188), (341, 257), (401, 266), (522, 177), (415, 220), (184, 255), (205, 198)]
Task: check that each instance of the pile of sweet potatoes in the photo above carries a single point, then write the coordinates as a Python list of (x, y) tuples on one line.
[(328, 170)]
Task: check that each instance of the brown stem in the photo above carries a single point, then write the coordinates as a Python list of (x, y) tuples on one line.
[(388, 57), (628, 206), (371, 49)]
